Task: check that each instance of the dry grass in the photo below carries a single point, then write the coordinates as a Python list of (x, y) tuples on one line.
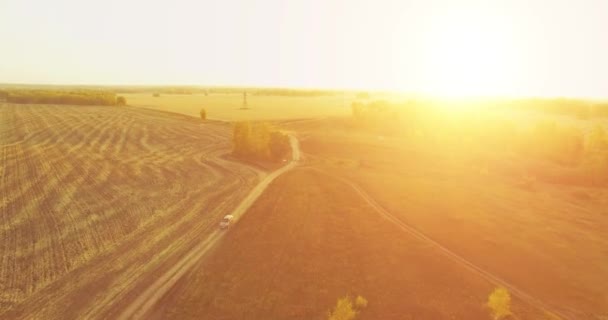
[(547, 240), (310, 239), (95, 197), (228, 106)]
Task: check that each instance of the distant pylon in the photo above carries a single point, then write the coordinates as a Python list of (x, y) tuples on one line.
[(245, 99)]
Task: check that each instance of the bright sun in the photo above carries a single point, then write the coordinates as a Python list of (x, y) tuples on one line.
[(466, 57)]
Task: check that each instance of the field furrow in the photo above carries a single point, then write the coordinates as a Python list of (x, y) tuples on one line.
[(93, 199)]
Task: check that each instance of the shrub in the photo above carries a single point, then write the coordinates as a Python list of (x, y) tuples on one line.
[(203, 114), (499, 303), (360, 302), (343, 310), (121, 101)]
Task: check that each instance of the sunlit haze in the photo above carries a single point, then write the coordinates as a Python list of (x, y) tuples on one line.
[(461, 48)]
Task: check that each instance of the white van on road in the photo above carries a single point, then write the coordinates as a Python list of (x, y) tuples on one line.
[(225, 223)]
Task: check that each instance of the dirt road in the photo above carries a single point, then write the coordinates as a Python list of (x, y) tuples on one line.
[(139, 308), (92, 198)]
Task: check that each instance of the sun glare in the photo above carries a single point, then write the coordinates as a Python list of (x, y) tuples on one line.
[(468, 56)]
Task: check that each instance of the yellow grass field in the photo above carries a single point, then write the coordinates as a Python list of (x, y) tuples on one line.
[(320, 233), (228, 106)]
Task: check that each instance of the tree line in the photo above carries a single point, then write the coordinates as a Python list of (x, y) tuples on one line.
[(578, 108), (259, 141), (74, 97), (293, 92), (581, 152)]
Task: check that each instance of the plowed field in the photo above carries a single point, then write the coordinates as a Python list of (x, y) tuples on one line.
[(95, 200)]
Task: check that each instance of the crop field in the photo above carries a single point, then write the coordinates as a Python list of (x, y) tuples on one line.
[(300, 249), (320, 233), (94, 197), (228, 106), (546, 239), (99, 202)]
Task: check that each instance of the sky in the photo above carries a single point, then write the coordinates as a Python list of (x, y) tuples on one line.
[(443, 47)]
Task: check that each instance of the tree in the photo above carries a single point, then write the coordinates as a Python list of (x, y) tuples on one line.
[(203, 114), (260, 141), (121, 101), (279, 145), (499, 303), (360, 302), (240, 137), (343, 310)]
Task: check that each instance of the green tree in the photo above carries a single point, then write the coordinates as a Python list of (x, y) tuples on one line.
[(121, 101), (259, 141), (279, 145), (240, 137)]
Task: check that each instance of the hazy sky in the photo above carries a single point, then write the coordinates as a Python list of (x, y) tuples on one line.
[(523, 47)]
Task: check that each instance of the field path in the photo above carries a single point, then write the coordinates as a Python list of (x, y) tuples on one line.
[(450, 254), (96, 201), (139, 308)]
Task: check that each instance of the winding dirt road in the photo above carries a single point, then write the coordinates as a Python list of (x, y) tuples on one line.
[(139, 308)]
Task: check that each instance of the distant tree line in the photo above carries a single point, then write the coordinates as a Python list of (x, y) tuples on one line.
[(379, 115), (581, 152), (76, 97), (583, 109), (293, 92), (259, 141)]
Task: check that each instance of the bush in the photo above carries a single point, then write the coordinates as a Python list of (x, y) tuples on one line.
[(121, 101), (203, 114), (360, 302), (499, 303), (343, 310)]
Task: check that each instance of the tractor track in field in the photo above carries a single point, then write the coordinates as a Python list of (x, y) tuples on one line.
[(94, 199), (140, 307), (496, 280)]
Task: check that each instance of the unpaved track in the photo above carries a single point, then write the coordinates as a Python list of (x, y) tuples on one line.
[(139, 308), (93, 198), (450, 254)]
